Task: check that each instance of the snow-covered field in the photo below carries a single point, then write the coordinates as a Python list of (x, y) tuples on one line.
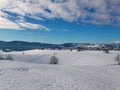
[(66, 57), (85, 70)]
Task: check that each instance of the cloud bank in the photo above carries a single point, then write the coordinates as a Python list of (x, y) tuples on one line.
[(13, 13)]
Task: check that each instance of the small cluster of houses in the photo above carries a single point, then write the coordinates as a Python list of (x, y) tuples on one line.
[(99, 47)]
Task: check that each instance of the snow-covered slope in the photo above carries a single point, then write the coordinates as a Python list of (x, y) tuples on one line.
[(66, 57), (28, 76), (85, 70)]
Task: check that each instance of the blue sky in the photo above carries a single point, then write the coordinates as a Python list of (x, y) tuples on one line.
[(60, 21)]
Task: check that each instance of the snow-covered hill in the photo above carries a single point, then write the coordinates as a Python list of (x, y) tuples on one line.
[(66, 57), (85, 70)]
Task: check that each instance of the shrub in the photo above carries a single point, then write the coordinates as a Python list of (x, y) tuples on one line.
[(23, 53), (9, 57), (71, 50), (117, 58), (1, 57), (106, 51), (54, 60), (79, 49)]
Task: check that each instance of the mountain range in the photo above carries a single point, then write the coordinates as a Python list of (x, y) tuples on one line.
[(22, 45)]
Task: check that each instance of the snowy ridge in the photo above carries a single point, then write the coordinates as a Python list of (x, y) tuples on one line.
[(66, 57)]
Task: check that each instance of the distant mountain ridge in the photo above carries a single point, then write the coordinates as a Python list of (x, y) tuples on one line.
[(22, 45)]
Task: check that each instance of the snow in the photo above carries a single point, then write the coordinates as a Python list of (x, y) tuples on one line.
[(66, 57), (85, 70)]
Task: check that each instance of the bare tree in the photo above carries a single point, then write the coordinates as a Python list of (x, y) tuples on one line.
[(54, 59), (117, 58), (1, 57)]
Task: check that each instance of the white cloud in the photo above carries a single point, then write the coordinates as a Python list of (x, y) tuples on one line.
[(28, 25), (35, 17), (6, 24), (22, 9), (66, 30), (19, 25), (87, 11)]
